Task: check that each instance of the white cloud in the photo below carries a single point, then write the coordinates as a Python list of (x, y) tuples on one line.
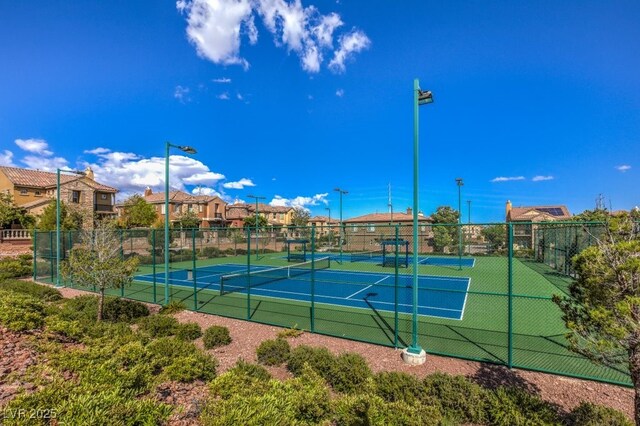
[(239, 96), (507, 178), (6, 158), (340, 93), (212, 192), (223, 80), (97, 151), (542, 178), (351, 43), (223, 96), (217, 27), (36, 146), (300, 201), (623, 168), (47, 164), (182, 94), (241, 184), (207, 178)]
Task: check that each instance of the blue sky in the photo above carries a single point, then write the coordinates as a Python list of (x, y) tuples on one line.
[(536, 102)]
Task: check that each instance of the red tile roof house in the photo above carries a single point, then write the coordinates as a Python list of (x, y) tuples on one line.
[(364, 233), (528, 216), (34, 190)]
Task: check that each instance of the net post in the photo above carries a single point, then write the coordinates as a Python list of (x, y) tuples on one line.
[(248, 273), (153, 262), (395, 293), (195, 280), (313, 276), (510, 296)]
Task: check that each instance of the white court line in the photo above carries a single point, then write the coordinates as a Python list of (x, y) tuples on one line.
[(359, 291), (466, 294)]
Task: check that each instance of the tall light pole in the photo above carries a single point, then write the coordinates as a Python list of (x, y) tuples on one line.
[(256, 222), (167, 215), (460, 183), (469, 222), (415, 353), (341, 191), (58, 221)]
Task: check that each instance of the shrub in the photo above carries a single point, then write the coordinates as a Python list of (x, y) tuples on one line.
[(319, 359), (158, 325), (366, 409), (81, 308), (15, 267), (242, 379), (290, 332), (273, 352), (173, 307), (72, 329), (512, 406), (209, 252), (197, 366), (216, 336), (40, 292), (123, 310), (587, 414), (19, 312), (349, 372), (460, 399), (394, 387), (188, 332)]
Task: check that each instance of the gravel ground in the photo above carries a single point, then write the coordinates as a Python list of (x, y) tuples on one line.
[(563, 391)]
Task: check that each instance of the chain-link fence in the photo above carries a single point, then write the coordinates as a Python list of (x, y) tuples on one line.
[(484, 291)]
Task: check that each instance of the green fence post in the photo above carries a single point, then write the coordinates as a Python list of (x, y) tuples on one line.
[(395, 293), (195, 281), (35, 254), (51, 254), (510, 295), (313, 276), (153, 262), (248, 272)]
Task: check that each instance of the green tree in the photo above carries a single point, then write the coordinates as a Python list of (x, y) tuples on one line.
[(10, 213), (444, 236), (157, 241), (595, 215), (70, 218), (188, 220), (602, 310), (495, 236), (236, 235), (300, 217), (250, 221), (137, 212), (98, 262)]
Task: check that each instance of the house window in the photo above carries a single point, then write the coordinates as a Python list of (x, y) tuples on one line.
[(75, 197), (354, 228), (24, 192), (423, 228), (281, 216), (38, 193), (200, 208), (103, 196), (162, 210), (176, 208), (371, 227), (274, 215)]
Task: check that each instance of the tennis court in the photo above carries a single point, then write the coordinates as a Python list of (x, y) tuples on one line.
[(387, 259), (441, 297)]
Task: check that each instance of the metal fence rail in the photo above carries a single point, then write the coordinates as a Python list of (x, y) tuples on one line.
[(486, 296)]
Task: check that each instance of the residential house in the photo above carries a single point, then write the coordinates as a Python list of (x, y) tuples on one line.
[(364, 233), (525, 218), (33, 190), (279, 218), (211, 210), (324, 225)]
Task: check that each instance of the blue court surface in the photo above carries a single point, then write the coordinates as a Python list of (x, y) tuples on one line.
[(443, 297), (465, 262)]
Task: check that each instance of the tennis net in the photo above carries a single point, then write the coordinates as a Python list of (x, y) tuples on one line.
[(366, 256), (238, 282)]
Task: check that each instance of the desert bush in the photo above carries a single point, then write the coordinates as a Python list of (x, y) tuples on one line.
[(158, 325), (196, 366), (367, 409), (394, 386), (173, 307), (290, 332), (20, 312), (460, 399), (587, 414), (348, 373), (123, 310), (515, 407), (188, 331), (273, 352), (15, 267), (242, 379), (40, 292), (319, 359), (216, 336)]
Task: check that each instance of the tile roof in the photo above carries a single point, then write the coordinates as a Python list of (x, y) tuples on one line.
[(387, 217), (528, 213), (266, 208), (181, 197), (40, 179), (237, 211)]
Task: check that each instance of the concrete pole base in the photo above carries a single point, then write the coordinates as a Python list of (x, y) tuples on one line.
[(414, 359)]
